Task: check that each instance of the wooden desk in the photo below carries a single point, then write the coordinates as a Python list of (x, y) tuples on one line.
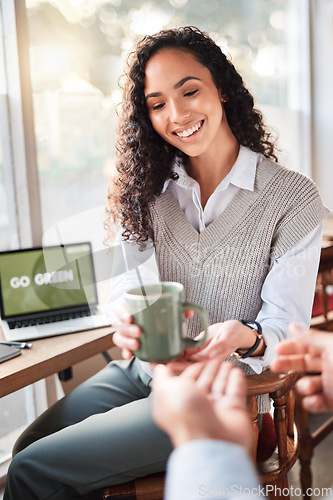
[(51, 355)]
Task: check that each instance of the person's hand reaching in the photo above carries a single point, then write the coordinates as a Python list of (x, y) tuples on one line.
[(311, 352), (207, 401)]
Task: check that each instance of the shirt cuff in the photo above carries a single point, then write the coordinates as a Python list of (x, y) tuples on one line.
[(210, 468)]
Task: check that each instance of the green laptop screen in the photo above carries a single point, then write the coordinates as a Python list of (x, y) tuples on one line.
[(46, 279)]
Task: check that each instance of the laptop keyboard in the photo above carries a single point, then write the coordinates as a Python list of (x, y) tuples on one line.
[(48, 319)]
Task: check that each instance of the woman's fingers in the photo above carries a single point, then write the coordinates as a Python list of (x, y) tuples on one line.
[(211, 349), (126, 354), (125, 342), (126, 334), (128, 330), (127, 337)]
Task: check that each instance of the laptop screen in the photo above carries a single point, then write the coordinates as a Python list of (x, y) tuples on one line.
[(48, 279)]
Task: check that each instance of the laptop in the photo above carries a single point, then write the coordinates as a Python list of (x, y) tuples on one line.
[(48, 291)]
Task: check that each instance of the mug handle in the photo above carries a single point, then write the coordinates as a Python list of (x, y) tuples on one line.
[(190, 306)]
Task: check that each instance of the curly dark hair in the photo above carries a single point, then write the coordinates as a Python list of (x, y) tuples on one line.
[(144, 159)]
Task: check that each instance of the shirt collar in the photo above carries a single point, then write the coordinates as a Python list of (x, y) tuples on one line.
[(242, 174)]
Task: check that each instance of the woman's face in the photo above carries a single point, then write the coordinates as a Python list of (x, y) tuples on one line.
[(183, 102)]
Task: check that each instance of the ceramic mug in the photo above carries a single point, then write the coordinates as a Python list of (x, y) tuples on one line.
[(158, 310)]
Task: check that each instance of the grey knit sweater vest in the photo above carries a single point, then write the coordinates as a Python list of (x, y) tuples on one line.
[(223, 268)]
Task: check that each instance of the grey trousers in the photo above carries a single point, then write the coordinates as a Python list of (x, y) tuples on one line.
[(101, 434)]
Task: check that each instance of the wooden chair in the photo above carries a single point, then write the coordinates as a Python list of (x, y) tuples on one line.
[(272, 471), (309, 440), (323, 307)]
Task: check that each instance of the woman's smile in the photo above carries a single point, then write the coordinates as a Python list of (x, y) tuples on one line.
[(188, 131)]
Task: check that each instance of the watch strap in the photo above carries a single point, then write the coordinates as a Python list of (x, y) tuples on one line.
[(256, 328)]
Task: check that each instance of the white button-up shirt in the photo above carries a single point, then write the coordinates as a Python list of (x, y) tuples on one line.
[(288, 290)]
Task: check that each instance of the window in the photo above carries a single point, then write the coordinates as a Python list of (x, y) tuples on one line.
[(17, 410), (4, 212), (8, 230), (77, 52)]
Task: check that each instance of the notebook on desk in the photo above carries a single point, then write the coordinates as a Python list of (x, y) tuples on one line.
[(48, 291)]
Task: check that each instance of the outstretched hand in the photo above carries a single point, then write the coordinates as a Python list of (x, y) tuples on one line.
[(207, 401), (311, 352), (223, 339)]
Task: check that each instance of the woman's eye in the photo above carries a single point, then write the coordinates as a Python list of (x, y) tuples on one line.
[(156, 107), (192, 92)]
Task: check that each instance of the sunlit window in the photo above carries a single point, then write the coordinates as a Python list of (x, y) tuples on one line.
[(8, 226), (4, 219), (4, 206), (77, 53), (18, 409)]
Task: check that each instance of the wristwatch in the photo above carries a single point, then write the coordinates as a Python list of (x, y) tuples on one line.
[(256, 328)]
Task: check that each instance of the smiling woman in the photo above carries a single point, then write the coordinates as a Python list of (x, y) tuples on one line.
[(76, 52), (181, 88), (198, 184)]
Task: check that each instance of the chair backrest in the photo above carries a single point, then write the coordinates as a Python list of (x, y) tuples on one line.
[(273, 471), (323, 304)]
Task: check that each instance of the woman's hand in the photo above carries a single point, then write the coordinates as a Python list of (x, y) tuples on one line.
[(127, 334), (223, 340)]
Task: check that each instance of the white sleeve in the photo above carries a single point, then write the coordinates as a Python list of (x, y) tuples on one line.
[(132, 265), (287, 294), (208, 468)]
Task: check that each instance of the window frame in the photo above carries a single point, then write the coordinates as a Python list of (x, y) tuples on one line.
[(22, 172), (20, 158)]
